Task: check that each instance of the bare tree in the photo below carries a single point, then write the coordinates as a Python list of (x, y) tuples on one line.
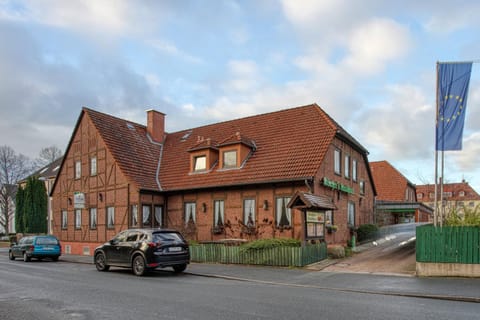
[(47, 155), (13, 167)]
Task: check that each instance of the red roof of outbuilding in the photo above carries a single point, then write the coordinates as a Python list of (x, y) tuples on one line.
[(389, 182)]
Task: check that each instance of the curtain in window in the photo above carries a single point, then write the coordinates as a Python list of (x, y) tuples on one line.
[(134, 215), (190, 212), (146, 215), (284, 214), (249, 212), (111, 217), (158, 215), (93, 217), (219, 213)]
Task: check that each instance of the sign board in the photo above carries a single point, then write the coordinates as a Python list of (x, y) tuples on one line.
[(79, 200), (313, 216), (335, 185)]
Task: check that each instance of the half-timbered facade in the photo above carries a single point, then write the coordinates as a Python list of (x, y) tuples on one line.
[(262, 176)]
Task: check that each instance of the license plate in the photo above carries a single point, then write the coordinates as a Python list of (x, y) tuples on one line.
[(174, 249), (47, 248)]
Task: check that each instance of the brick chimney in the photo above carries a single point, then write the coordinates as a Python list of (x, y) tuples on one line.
[(156, 125)]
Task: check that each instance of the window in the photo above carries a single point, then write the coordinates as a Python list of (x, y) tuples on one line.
[(315, 224), (431, 195), (337, 165), (146, 215), (249, 212), (329, 218), (134, 213), (110, 217), (158, 212), (93, 166), (354, 170), (93, 218), (78, 169), (362, 187), (461, 193), (471, 204), (190, 212), (460, 204), (218, 213), (78, 218), (64, 219), (230, 159), (132, 236), (419, 195), (283, 215), (347, 167), (200, 163), (351, 214)]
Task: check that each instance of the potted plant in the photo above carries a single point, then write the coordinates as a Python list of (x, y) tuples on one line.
[(332, 228)]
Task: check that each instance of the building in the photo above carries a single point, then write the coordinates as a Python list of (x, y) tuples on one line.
[(8, 192), (290, 173), (396, 200), (455, 195)]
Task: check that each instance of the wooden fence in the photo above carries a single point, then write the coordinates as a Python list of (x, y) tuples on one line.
[(279, 256), (448, 244)]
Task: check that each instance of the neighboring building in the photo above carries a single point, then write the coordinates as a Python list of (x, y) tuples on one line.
[(455, 195), (396, 197), (10, 207), (289, 173), (47, 174)]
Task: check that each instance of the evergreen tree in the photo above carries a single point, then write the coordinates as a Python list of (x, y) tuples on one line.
[(35, 206), (19, 210)]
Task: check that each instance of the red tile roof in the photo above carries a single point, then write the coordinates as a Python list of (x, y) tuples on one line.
[(454, 188), (136, 154), (286, 145), (289, 144), (389, 182)]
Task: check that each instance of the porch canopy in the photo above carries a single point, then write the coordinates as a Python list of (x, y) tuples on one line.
[(304, 200)]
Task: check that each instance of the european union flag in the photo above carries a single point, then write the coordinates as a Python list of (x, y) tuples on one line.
[(453, 80)]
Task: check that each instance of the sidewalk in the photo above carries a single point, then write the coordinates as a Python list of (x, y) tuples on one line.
[(457, 289)]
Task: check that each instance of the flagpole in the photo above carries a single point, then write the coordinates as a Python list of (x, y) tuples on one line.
[(435, 209)]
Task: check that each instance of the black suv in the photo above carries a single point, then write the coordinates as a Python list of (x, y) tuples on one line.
[(144, 250)]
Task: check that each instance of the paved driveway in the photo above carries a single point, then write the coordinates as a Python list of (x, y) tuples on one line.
[(393, 254)]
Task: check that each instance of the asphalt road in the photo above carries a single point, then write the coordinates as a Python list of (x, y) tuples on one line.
[(64, 290)]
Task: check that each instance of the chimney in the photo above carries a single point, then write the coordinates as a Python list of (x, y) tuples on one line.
[(156, 125)]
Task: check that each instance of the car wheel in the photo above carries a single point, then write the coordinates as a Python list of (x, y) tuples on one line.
[(26, 258), (11, 256), (139, 267), (180, 268), (100, 262)]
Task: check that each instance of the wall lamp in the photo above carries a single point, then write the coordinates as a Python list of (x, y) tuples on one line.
[(265, 204), (204, 207), (100, 197), (69, 201)]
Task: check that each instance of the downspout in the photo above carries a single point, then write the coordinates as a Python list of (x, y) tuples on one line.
[(157, 179), (307, 184)]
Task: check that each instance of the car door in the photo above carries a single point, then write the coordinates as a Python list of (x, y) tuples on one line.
[(112, 249), (126, 247), (16, 248)]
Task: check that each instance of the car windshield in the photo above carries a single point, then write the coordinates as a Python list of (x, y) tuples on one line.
[(48, 240), (166, 237)]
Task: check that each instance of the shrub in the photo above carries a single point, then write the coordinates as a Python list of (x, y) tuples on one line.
[(270, 243), (471, 217), (366, 232)]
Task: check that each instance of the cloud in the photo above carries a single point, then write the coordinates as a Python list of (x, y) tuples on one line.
[(168, 48)]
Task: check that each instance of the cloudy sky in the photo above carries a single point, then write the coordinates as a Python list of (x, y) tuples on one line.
[(369, 64)]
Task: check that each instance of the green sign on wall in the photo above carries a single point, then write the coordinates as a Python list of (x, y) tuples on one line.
[(335, 185)]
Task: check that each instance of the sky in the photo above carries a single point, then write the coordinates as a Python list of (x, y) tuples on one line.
[(371, 65)]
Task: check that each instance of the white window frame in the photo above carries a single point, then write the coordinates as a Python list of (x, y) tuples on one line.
[(190, 211), (93, 166), (354, 169), (110, 217), (93, 218), (146, 215), (134, 212), (337, 164), (346, 170), (78, 169), (64, 219), (280, 203), (351, 214), (218, 213), (249, 208), (230, 161), (200, 163), (158, 215), (78, 218)]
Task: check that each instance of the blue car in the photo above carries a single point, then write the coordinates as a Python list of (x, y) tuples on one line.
[(37, 247)]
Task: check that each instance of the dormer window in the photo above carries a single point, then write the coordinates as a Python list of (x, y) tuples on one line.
[(230, 159), (200, 163)]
